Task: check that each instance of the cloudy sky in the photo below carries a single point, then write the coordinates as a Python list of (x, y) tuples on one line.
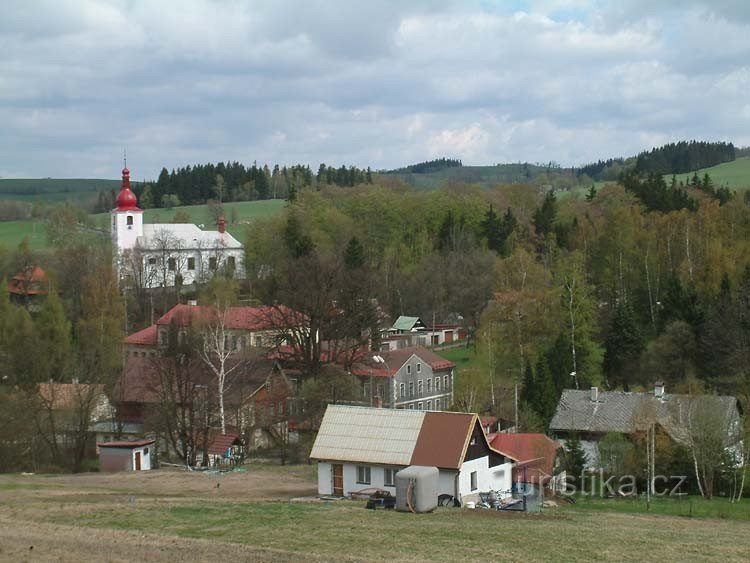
[(371, 83)]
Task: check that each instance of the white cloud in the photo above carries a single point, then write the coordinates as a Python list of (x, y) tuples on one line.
[(375, 84)]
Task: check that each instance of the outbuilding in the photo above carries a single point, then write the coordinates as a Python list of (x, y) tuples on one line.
[(126, 455)]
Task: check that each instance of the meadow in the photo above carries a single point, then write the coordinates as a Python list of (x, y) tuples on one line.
[(12, 234), (54, 190), (735, 174), (269, 513)]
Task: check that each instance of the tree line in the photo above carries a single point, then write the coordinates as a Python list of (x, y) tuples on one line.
[(435, 165)]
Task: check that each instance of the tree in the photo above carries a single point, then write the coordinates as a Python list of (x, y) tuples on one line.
[(53, 354), (545, 215), (575, 457), (623, 346)]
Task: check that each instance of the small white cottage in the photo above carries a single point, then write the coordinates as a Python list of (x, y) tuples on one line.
[(126, 455), (360, 447)]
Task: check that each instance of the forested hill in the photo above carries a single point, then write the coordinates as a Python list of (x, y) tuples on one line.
[(672, 158)]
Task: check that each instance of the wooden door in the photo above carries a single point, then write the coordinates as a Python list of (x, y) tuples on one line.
[(338, 479), (137, 461)]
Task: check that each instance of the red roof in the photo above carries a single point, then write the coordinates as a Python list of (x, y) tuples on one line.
[(30, 281), (126, 444), (395, 359), (241, 318), (222, 443), (145, 337), (126, 200), (536, 451)]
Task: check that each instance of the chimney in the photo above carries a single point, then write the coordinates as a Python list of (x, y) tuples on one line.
[(222, 224), (594, 394), (659, 390)]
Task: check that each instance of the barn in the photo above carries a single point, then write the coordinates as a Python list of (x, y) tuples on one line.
[(126, 455)]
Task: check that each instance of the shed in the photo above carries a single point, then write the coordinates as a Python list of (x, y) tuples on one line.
[(126, 455)]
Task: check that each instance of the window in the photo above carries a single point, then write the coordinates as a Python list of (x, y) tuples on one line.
[(212, 263), (381, 391), (419, 367), (473, 480), (437, 384), (152, 261), (230, 263), (446, 382), (408, 369), (401, 390), (437, 404), (172, 264), (420, 388), (365, 389), (191, 263), (411, 406), (389, 477), (411, 389), (429, 405), (429, 385), (129, 220), (420, 405), (363, 475)]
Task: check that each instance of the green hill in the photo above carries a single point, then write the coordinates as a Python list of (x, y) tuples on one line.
[(483, 175), (13, 232), (54, 189), (735, 175)]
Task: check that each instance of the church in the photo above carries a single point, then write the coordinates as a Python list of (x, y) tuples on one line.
[(166, 254)]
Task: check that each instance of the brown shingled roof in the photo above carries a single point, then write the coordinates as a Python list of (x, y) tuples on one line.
[(395, 359), (443, 439), (241, 318)]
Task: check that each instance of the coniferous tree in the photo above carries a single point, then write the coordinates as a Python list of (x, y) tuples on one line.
[(544, 216), (354, 255), (53, 338), (546, 394), (623, 346)]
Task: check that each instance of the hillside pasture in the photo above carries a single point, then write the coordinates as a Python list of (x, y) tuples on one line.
[(13, 232), (54, 190), (258, 514), (735, 174)]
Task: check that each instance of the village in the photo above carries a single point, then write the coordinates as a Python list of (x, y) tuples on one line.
[(212, 387)]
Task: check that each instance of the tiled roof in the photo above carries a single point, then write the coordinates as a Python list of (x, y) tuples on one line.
[(536, 451), (185, 236), (145, 337), (222, 443), (405, 323), (30, 281), (395, 359), (126, 444), (394, 436), (264, 317), (625, 412)]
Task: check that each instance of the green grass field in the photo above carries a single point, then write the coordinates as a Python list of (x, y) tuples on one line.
[(13, 232), (54, 190), (735, 175)]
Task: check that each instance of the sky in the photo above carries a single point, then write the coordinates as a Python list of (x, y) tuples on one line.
[(373, 83)]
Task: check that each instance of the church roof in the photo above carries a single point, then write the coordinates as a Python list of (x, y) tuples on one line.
[(184, 236)]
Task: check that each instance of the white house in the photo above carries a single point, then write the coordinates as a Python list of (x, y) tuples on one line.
[(157, 255), (361, 447)]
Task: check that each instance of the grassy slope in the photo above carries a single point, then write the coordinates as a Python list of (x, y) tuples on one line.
[(54, 189), (734, 174), (13, 232), (485, 175), (345, 528)]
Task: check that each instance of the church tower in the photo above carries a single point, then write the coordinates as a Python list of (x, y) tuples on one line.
[(127, 218)]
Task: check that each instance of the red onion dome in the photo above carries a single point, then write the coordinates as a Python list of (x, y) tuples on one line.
[(126, 200)]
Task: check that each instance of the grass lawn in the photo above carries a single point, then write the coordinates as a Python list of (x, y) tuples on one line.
[(686, 507), (13, 232), (463, 357), (345, 528)]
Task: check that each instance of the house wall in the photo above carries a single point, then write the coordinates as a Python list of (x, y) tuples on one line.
[(146, 455), (497, 478), (154, 274), (408, 374), (115, 459), (123, 235), (377, 477), (447, 482)]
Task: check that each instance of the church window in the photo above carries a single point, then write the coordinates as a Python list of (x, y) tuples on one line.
[(230, 262), (129, 220), (172, 264), (191, 263), (212, 263), (152, 261)]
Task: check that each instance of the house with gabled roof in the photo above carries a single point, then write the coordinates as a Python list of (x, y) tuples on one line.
[(592, 414), (360, 447), (408, 378)]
